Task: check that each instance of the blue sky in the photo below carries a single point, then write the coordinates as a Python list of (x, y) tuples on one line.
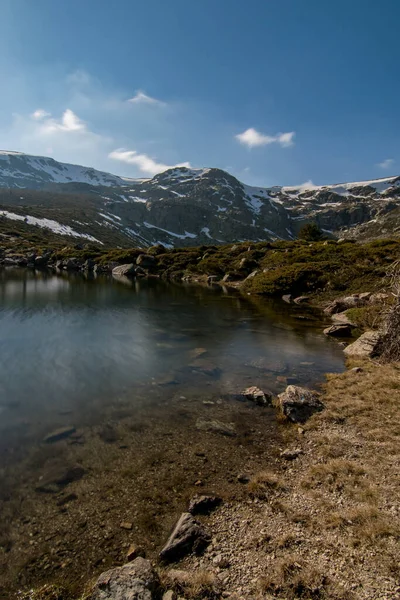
[(274, 91)]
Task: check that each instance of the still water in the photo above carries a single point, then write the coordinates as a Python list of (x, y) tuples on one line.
[(70, 346)]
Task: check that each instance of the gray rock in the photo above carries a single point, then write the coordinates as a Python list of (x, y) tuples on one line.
[(135, 581), (298, 404), (287, 298), (342, 319), (215, 426), (124, 270), (59, 434), (258, 396), (339, 330), (188, 536), (203, 505), (365, 346), (342, 304)]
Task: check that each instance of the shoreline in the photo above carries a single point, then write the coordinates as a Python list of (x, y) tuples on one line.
[(313, 530)]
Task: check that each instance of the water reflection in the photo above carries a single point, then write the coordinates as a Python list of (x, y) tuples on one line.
[(70, 345)]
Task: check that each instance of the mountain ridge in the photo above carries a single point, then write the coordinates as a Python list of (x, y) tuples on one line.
[(182, 206)]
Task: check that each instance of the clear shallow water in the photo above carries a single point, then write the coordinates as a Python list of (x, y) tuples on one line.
[(70, 347)]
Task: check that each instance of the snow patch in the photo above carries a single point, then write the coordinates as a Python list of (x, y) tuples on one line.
[(48, 224)]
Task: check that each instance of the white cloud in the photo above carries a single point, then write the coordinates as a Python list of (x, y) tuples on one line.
[(145, 163), (251, 138), (141, 98), (40, 114), (386, 164), (68, 122)]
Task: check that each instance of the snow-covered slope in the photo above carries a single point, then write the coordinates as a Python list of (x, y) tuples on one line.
[(184, 206), (18, 170)]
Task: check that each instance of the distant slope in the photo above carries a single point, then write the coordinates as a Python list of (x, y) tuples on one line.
[(181, 206)]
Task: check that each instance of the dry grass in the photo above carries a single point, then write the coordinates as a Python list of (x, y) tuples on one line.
[(196, 585), (337, 474), (264, 484), (291, 578)]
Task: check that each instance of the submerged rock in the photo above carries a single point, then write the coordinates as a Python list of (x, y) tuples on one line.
[(215, 426), (136, 580), (59, 434), (298, 404), (58, 477), (188, 536), (366, 345)]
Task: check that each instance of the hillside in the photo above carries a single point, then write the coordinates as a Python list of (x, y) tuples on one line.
[(184, 207)]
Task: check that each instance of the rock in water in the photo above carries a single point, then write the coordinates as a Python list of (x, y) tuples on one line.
[(298, 404), (58, 477), (59, 434), (203, 505), (215, 426), (258, 396), (188, 536), (365, 346), (339, 330), (126, 270), (135, 581)]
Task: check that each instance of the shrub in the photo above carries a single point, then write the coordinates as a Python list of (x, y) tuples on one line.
[(310, 233), (291, 279)]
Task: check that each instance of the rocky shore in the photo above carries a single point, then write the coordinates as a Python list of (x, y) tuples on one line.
[(317, 519)]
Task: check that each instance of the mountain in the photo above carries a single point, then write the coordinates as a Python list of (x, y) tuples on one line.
[(184, 207)]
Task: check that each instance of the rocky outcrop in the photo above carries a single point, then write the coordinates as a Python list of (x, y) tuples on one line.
[(298, 403), (188, 536), (365, 346), (136, 580)]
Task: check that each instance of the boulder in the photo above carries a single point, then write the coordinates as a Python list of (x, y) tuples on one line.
[(71, 265), (136, 580), (203, 505), (89, 264), (146, 261), (365, 346), (124, 270), (258, 396), (188, 536), (298, 404), (214, 426), (339, 330), (287, 298)]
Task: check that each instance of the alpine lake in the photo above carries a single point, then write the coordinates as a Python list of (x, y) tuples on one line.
[(120, 400)]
